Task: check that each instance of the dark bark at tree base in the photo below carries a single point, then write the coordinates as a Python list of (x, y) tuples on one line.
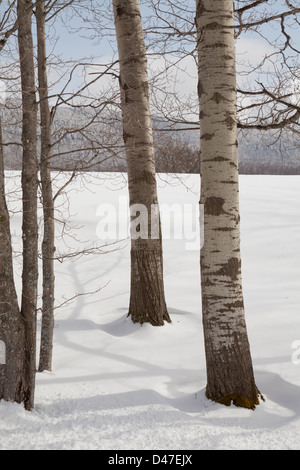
[(238, 400), (11, 379), (147, 300), (230, 377)]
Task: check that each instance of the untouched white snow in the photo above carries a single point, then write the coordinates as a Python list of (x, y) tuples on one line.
[(116, 385)]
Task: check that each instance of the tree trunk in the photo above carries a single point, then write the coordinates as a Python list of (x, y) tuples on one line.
[(11, 323), (29, 188), (48, 247), (147, 299), (230, 377)]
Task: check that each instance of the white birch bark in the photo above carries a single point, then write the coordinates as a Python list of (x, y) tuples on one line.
[(147, 299), (229, 366)]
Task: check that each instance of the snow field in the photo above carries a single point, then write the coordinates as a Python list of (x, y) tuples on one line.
[(116, 385)]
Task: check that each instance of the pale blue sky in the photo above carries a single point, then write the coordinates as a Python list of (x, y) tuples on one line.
[(249, 46), (76, 45), (79, 45)]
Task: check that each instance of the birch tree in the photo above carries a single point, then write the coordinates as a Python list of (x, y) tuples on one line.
[(147, 298), (230, 377)]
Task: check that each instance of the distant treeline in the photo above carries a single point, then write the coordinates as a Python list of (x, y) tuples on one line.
[(248, 168), (175, 152), (181, 161)]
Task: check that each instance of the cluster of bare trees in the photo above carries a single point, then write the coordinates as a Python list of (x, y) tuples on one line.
[(206, 31), (18, 324)]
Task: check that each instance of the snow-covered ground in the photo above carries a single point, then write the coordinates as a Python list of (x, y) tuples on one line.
[(116, 385)]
